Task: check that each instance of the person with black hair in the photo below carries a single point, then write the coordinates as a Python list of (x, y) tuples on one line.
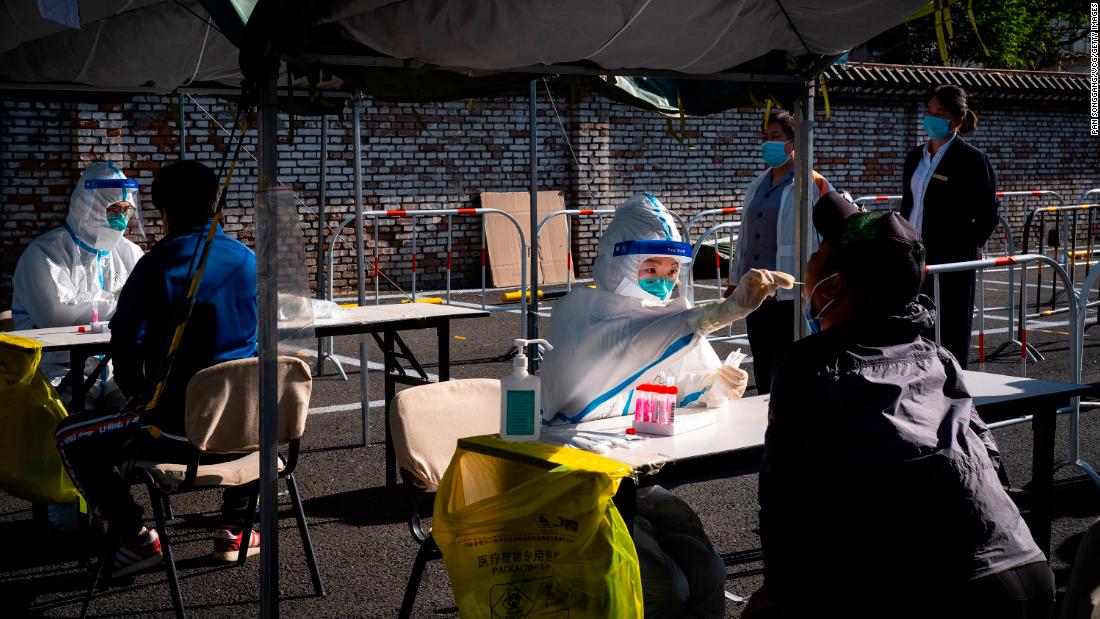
[(767, 241), (879, 490), (950, 196), (222, 327)]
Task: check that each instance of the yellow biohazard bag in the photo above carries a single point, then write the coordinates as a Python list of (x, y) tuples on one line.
[(530, 530), (30, 466)]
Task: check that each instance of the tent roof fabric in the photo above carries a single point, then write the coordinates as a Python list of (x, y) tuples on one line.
[(687, 36), (167, 44), (121, 43)]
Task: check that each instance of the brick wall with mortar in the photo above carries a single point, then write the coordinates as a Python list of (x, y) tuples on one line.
[(443, 155)]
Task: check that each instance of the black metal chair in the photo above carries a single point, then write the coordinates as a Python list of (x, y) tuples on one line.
[(222, 417)]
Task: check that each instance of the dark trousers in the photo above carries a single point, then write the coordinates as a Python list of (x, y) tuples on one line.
[(954, 311), (771, 330), (99, 460), (1024, 592)]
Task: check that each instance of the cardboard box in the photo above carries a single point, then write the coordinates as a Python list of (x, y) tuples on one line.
[(503, 243)]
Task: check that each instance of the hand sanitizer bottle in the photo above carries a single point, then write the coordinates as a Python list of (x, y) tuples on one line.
[(520, 401)]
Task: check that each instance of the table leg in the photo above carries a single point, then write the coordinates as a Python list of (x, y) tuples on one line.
[(1043, 425), (76, 370), (391, 390), (364, 387), (626, 501), (443, 331)]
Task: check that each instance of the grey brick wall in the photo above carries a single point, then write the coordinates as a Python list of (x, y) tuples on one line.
[(442, 155)]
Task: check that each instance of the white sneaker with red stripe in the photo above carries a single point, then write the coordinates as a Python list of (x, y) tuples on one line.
[(227, 545), (140, 554)]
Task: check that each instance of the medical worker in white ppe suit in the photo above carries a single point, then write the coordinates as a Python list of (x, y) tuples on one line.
[(67, 271), (628, 329), (625, 332)]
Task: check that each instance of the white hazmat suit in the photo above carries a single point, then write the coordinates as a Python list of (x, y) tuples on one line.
[(612, 338), (65, 272)]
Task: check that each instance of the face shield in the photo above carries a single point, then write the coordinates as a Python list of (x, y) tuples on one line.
[(104, 205), (642, 229), (657, 285)]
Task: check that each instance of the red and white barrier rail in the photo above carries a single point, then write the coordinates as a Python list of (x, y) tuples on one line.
[(449, 214)]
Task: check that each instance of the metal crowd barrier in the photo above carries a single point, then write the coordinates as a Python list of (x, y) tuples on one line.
[(706, 213), (569, 214), (1066, 229), (449, 214), (1079, 304), (734, 227), (935, 270), (1084, 199), (860, 201), (1081, 317)]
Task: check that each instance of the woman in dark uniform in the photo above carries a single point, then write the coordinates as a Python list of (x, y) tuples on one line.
[(950, 197)]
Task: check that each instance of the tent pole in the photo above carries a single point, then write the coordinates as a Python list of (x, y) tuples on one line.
[(533, 306), (803, 187), (322, 200), (182, 126), (357, 166), (360, 263), (267, 219)]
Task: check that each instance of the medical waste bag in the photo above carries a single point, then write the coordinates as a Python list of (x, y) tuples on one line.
[(30, 466), (530, 530)]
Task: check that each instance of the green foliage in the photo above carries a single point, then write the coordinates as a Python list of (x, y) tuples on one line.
[(1019, 34)]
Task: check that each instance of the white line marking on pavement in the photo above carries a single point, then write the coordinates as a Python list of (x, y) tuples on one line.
[(340, 408), (354, 362)]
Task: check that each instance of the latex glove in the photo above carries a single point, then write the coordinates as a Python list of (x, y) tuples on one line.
[(729, 384), (750, 292)]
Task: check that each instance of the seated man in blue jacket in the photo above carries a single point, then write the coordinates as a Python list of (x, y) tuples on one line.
[(222, 327), (879, 493)]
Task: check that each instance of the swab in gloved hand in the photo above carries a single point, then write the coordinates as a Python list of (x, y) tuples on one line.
[(730, 381), (754, 287)]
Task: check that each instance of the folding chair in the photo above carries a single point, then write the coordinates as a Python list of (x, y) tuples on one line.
[(222, 417), (426, 423)]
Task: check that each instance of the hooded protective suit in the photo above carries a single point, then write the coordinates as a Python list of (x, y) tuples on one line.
[(62, 272), (612, 338)]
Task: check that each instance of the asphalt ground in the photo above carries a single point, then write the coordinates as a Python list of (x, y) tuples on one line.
[(359, 528)]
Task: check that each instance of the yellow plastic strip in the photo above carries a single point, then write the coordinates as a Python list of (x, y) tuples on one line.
[(825, 97), (947, 18), (974, 25), (767, 113), (941, 44)]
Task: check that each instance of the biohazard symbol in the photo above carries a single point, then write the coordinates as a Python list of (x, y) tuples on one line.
[(512, 602)]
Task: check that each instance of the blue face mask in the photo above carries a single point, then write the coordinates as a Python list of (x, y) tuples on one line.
[(117, 222), (813, 321), (774, 153), (936, 127), (657, 286)]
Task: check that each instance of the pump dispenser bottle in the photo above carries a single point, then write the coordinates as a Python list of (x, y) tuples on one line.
[(520, 401)]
